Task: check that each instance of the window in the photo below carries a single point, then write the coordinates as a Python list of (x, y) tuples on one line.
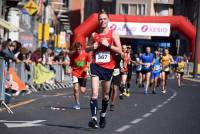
[(141, 9), (66, 3), (124, 9), (133, 9), (163, 10)]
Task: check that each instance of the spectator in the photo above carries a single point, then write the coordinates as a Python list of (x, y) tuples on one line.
[(36, 56), (8, 54), (18, 46)]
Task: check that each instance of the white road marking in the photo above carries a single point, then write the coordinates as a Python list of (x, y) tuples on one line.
[(159, 106), (169, 99), (165, 102), (123, 128), (153, 110), (136, 121), (19, 124), (5, 121), (135, 105), (195, 85), (146, 115)]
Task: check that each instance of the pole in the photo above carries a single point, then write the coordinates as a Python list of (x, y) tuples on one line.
[(195, 69), (44, 21), (1, 7)]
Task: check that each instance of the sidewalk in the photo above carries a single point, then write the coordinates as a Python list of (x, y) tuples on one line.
[(190, 77)]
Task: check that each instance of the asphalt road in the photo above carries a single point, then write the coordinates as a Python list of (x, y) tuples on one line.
[(177, 112)]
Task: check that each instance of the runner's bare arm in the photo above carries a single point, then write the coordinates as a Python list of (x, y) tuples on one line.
[(91, 44), (171, 59), (117, 48), (153, 61), (141, 63), (132, 61), (88, 63)]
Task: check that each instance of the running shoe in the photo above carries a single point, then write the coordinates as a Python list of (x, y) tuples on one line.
[(128, 93), (77, 106), (125, 92), (102, 122), (93, 123), (153, 92), (140, 85), (164, 91), (112, 107), (145, 92), (121, 97)]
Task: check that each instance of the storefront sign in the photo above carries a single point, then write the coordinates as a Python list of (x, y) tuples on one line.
[(26, 40), (140, 29)]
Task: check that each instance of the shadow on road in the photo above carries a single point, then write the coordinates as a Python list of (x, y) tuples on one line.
[(72, 127)]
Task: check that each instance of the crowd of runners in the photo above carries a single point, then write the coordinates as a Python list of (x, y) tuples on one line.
[(111, 63)]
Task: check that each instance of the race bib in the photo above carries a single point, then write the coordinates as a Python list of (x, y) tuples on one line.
[(148, 65), (157, 67), (138, 67), (116, 72), (166, 68), (74, 79), (80, 63), (102, 57)]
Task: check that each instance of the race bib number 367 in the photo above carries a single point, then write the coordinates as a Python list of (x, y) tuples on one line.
[(102, 57)]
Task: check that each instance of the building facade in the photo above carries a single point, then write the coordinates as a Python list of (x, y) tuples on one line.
[(52, 13), (131, 7), (187, 8)]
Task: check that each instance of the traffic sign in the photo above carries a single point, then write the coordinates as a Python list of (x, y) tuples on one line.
[(31, 7)]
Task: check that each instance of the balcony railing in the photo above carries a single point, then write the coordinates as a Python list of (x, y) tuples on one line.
[(171, 2), (105, 0)]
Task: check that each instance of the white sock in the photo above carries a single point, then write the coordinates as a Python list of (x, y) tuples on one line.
[(94, 117), (103, 114)]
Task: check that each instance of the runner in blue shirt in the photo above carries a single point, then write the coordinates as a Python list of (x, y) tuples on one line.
[(146, 62), (138, 68), (156, 69)]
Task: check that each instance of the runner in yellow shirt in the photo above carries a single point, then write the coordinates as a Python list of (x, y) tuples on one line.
[(166, 60), (180, 71)]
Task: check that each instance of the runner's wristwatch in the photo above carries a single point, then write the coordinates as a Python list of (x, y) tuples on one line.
[(109, 46)]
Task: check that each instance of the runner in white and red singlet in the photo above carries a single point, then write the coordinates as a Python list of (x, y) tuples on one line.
[(104, 43)]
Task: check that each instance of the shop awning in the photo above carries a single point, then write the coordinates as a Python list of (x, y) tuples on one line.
[(5, 24)]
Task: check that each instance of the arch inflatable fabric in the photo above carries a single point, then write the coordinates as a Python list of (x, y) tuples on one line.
[(179, 23)]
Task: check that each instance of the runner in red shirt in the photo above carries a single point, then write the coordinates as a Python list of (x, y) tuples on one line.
[(104, 43), (79, 62)]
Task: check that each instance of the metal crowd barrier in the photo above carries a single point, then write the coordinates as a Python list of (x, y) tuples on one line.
[(4, 97), (59, 81), (2, 80)]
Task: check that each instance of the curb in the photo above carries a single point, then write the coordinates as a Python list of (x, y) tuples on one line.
[(191, 79)]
